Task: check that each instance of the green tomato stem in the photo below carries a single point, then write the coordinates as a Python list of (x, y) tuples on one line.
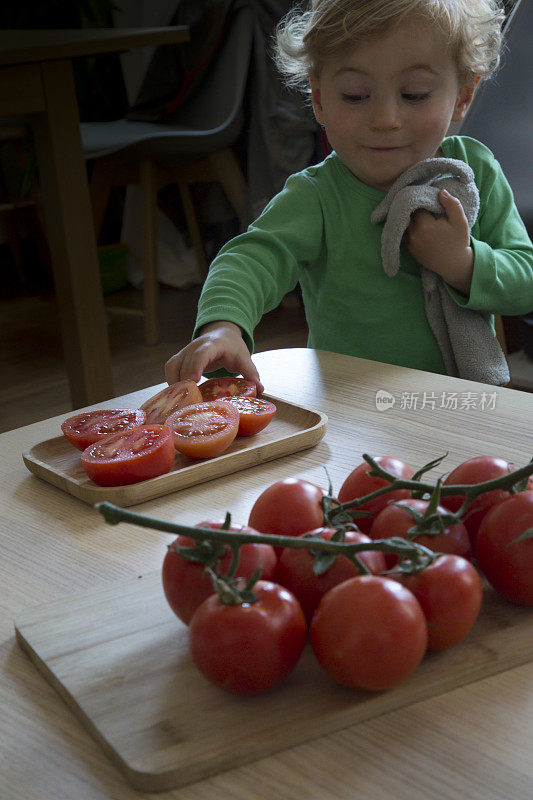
[(471, 491), (114, 514)]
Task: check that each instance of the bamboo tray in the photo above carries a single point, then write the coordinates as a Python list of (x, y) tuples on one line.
[(293, 428), (119, 658)]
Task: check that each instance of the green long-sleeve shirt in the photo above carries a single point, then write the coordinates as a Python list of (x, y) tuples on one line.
[(317, 231)]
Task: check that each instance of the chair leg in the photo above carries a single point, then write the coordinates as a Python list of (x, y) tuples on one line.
[(149, 185), (192, 225), (228, 173)]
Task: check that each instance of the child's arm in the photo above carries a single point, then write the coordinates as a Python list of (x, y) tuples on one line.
[(442, 244), (248, 278), (219, 345)]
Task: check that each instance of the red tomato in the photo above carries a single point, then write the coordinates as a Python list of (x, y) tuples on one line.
[(369, 633), (507, 564), (167, 401), (204, 430), (254, 414), (450, 593), (295, 570), (395, 520), (289, 507), (131, 456), (359, 483), (86, 428), (218, 388), (250, 648), (477, 470), (186, 584)]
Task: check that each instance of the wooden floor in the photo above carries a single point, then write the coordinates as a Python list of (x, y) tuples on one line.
[(33, 382)]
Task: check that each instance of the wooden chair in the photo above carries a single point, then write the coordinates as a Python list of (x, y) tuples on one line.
[(197, 149)]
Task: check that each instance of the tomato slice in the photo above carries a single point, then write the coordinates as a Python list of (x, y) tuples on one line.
[(205, 429), (86, 428), (254, 413), (131, 456), (219, 388), (167, 401)]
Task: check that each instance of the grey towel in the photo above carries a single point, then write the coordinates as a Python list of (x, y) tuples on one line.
[(467, 342)]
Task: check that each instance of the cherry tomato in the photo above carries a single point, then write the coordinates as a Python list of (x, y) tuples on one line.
[(369, 633), (295, 570), (186, 584), (254, 413), (86, 428), (289, 507), (478, 470), (506, 563), (359, 483), (395, 520), (450, 593), (219, 388), (171, 399), (136, 454), (250, 648), (204, 430)]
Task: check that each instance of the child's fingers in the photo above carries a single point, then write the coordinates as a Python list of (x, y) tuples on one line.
[(172, 369), (454, 209), (185, 366), (248, 370)]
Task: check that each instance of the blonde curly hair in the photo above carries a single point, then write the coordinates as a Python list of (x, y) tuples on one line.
[(305, 38)]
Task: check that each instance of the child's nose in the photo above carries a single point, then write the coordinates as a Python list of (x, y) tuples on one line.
[(385, 115)]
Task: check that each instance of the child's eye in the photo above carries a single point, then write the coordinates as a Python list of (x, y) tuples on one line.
[(354, 98), (415, 97)]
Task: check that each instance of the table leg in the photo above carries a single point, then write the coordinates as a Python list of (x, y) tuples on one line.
[(71, 237)]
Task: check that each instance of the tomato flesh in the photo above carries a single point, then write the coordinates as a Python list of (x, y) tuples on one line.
[(254, 413), (88, 427), (171, 399), (219, 388), (204, 430), (130, 456)]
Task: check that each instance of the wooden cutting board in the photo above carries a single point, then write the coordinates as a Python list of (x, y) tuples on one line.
[(119, 658), (293, 428)]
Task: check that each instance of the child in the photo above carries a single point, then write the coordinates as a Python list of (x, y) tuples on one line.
[(386, 78)]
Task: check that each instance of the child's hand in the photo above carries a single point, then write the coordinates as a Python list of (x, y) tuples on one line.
[(443, 244), (219, 345)]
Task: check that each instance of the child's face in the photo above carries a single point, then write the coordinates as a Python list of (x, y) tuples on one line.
[(388, 103)]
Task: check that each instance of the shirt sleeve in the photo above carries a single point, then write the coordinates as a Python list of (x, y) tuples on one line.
[(502, 281), (252, 272)]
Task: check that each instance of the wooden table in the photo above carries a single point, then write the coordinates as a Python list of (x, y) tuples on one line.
[(473, 742), (36, 79)]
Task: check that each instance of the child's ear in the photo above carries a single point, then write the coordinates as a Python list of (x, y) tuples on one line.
[(316, 98), (464, 99)]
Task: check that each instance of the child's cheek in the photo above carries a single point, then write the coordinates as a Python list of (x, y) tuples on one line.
[(432, 126)]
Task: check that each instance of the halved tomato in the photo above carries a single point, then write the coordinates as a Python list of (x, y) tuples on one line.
[(131, 456), (167, 401), (204, 430), (86, 428), (220, 388), (254, 413)]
